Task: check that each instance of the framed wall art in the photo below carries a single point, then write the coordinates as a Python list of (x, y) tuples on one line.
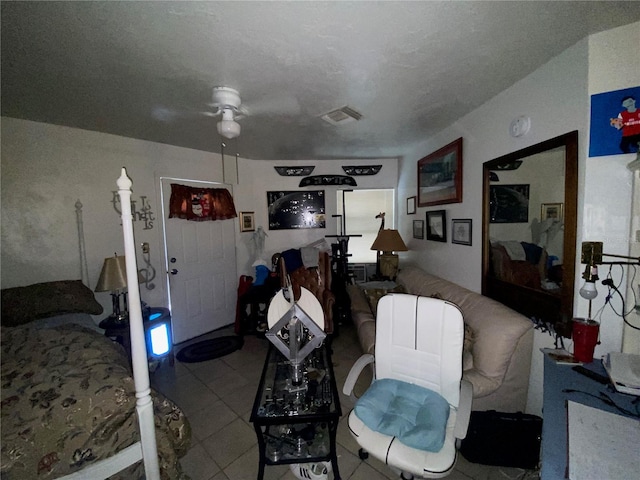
[(440, 176), (551, 210), (418, 229), (509, 203), (461, 231), (296, 209), (247, 222), (437, 225), (411, 205)]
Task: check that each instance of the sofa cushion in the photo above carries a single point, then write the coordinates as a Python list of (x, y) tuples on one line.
[(496, 328)]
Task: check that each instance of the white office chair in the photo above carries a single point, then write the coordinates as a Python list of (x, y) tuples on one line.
[(418, 371)]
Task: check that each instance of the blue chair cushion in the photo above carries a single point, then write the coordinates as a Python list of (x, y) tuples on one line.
[(414, 415)]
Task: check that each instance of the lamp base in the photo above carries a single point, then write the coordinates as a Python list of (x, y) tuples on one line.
[(389, 265)]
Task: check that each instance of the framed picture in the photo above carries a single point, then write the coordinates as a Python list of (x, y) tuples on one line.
[(509, 203), (461, 231), (296, 209), (418, 229), (411, 205), (247, 222), (551, 210), (437, 225), (440, 176)]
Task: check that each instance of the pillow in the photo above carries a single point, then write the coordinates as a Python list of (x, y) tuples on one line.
[(414, 415), (20, 305), (375, 294)]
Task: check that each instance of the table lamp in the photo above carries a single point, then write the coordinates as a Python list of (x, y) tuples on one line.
[(113, 278), (387, 242)]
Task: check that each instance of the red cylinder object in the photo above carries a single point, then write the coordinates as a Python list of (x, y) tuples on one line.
[(585, 337)]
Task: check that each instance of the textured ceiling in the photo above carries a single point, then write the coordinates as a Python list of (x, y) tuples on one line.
[(146, 69)]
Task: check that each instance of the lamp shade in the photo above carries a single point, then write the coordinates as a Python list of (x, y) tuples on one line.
[(114, 275), (389, 240)]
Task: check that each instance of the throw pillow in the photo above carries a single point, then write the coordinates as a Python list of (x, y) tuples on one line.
[(375, 294), (20, 305)]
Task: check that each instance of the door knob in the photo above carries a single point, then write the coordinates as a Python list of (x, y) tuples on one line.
[(174, 271)]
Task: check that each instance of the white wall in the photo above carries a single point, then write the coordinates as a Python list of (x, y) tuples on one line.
[(258, 177), (46, 168), (556, 97)]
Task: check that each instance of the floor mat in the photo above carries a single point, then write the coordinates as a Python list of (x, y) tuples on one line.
[(210, 349)]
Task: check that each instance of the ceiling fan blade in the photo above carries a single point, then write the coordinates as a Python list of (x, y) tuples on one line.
[(282, 105)]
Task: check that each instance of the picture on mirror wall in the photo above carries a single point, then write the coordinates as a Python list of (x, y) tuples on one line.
[(290, 210), (437, 226), (247, 222), (461, 231), (551, 211), (440, 176), (509, 203), (418, 229)]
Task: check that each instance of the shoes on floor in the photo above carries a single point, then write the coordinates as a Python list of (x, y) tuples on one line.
[(311, 471)]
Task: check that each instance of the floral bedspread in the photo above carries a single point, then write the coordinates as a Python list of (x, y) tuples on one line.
[(68, 400)]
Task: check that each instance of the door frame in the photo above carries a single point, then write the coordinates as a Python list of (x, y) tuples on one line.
[(165, 254)]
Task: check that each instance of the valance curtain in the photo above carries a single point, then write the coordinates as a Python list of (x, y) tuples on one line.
[(201, 204)]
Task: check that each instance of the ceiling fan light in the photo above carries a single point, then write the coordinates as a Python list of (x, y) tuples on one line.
[(229, 128)]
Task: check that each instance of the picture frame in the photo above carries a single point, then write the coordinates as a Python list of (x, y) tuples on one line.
[(461, 231), (297, 209), (247, 222), (551, 210), (440, 176), (411, 205), (509, 203), (437, 225), (418, 229)]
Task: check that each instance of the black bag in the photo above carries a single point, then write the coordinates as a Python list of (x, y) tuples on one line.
[(503, 439)]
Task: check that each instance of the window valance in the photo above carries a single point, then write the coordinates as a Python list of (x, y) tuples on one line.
[(201, 204)]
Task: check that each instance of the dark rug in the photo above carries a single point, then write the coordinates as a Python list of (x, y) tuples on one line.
[(210, 349)]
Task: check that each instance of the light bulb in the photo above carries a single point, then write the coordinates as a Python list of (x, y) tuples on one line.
[(589, 290), (228, 127)]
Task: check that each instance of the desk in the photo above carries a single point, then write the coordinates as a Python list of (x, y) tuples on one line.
[(297, 427), (554, 425)]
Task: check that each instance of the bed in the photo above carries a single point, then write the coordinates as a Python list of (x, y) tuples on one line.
[(72, 406)]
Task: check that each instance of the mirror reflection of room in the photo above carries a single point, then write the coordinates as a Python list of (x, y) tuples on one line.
[(526, 226)]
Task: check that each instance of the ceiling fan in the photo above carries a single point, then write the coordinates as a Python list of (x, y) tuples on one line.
[(226, 102)]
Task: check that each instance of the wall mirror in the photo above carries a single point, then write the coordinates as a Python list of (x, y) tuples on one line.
[(529, 230)]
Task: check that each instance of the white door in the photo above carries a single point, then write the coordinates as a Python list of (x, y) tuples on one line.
[(201, 269)]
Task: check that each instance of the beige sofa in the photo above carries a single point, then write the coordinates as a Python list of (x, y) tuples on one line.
[(498, 352)]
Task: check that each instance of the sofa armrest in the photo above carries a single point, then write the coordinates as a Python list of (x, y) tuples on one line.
[(354, 374), (482, 385)]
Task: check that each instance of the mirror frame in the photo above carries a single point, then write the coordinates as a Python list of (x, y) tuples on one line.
[(556, 312)]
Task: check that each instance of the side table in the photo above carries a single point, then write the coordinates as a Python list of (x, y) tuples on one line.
[(297, 425), (118, 331)]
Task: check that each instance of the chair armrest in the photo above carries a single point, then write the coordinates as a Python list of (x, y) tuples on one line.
[(464, 410), (354, 374)]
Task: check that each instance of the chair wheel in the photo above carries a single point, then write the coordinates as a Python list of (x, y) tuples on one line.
[(410, 477), (362, 454)]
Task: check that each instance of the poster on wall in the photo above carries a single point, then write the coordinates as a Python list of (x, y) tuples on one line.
[(296, 209), (509, 203), (615, 122)]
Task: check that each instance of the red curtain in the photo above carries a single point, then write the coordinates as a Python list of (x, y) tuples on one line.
[(201, 204)]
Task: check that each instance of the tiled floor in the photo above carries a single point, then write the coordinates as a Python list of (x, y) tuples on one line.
[(217, 397)]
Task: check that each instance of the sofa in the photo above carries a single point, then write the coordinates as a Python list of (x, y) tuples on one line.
[(498, 340)]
